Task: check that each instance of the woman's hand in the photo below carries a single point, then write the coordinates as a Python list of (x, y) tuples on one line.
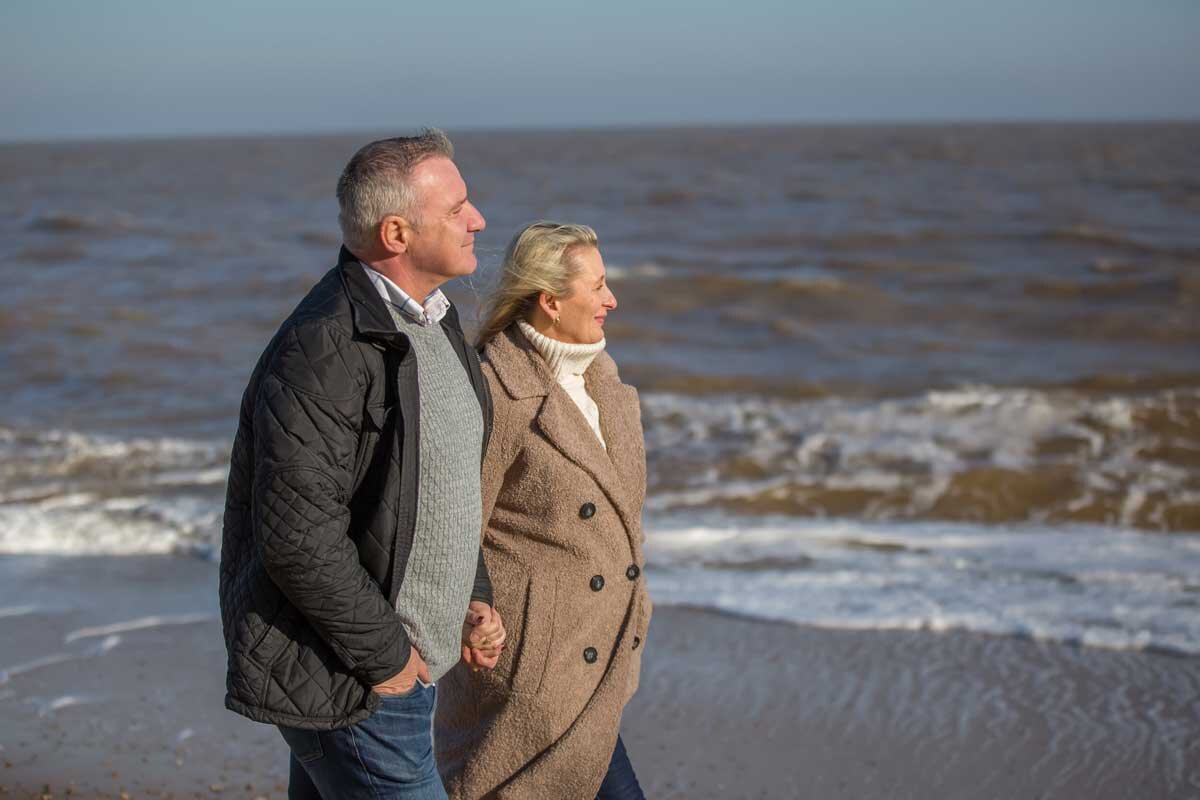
[(482, 636)]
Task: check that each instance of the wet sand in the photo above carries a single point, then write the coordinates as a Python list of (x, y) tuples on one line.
[(112, 677)]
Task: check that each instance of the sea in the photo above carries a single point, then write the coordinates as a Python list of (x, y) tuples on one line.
[(892, 377)]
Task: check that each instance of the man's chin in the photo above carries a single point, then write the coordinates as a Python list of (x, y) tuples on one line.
[(464, 267)]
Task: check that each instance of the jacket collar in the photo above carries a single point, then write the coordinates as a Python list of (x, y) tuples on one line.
[(370, 313)]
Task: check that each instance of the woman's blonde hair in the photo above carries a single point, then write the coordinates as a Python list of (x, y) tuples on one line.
[(538, 259)]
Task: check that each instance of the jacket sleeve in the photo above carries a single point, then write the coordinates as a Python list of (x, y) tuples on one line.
[(502, 450), (482, 589), (308, 422)]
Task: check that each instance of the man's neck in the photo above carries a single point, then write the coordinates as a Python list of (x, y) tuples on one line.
[(417, 285)]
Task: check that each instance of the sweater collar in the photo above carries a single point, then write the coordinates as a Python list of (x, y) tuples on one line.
[(564, 359), (524, 373)]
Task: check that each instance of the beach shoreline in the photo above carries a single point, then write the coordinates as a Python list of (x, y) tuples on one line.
[(113, 676)]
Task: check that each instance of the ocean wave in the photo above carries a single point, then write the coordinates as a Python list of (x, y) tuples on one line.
[(1147, 287), (70, 223), (65, 492), (55, 253), (908, 559), (1092, 586), (977, 453), (1084, 233), (646, 269)]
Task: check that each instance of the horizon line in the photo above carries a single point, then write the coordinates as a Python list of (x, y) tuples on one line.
[(897, 122)]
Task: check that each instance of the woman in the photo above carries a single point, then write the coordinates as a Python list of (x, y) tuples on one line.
[(563, 485)]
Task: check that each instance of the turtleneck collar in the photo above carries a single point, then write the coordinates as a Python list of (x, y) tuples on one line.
[(565, 360)]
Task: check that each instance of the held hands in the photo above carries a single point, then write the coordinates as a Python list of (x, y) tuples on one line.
[(482, 636), (403, 680)]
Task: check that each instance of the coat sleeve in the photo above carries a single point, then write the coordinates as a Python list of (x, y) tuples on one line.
[(482, 588), (502, 451), (307, 426)]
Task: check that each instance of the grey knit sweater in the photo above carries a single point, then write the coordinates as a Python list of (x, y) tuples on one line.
[(441, 567)]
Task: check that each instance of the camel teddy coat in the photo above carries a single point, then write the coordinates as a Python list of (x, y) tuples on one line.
[(563, 544)]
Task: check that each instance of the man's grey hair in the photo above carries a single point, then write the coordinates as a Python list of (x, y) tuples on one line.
[(376, 183)]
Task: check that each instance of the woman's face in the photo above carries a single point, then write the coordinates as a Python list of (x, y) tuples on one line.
[(581, 314)]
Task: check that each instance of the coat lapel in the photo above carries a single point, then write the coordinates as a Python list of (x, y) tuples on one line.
[(621, 424), (564, 426)]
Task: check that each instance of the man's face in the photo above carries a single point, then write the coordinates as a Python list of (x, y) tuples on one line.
[(443, 242)]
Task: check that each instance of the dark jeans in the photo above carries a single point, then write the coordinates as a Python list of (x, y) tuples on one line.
[(620, 783), (387, 755)]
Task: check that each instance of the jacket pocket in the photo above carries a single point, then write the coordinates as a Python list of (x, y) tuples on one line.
[(527, 603), (537, 634)]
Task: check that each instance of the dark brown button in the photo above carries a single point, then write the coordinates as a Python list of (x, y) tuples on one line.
[(590, 655), (597, 583), (587, 510), (633, 572), (636, 641)]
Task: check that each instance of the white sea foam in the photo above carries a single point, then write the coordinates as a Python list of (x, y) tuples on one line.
[(69, 493), (141, 623), (81, 531), (19, 611), (1095, 586), (47, 707), (646, 269), (97, 649), (8, 673)]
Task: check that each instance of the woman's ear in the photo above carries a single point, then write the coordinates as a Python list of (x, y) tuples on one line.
[(549, 304)]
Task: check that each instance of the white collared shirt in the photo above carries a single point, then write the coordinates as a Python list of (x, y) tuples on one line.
[(428, 313)]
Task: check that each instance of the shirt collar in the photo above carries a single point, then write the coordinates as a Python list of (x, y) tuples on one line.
[(428, 313)]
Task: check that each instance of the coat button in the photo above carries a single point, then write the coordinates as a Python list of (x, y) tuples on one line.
[(636, 641), (597, 583), (633, 572), (587, 510), (590, 655)]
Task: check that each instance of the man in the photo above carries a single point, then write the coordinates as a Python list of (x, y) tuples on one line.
[(350, 554)]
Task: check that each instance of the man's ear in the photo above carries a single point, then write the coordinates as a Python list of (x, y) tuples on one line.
[(395, 234)]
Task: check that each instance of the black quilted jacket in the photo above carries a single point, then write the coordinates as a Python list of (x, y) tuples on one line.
[(320, 508)]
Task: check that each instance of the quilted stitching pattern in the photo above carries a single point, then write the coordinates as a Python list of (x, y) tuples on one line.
[(315, 490)]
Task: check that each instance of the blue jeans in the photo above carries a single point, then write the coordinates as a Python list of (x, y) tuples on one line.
[(387, 755), (620, 783)]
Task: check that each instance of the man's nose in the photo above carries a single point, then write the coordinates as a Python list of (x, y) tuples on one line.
[(478, 223)]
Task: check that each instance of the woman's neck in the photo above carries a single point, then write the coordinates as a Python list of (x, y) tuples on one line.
[(563, 358)]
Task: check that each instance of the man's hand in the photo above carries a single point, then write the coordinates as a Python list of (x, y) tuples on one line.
[(403, 680), (482, 636)]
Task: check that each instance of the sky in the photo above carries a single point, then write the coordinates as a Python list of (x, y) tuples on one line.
[(71, 69)]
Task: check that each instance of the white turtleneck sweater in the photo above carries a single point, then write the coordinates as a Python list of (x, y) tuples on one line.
[(567, 364)]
